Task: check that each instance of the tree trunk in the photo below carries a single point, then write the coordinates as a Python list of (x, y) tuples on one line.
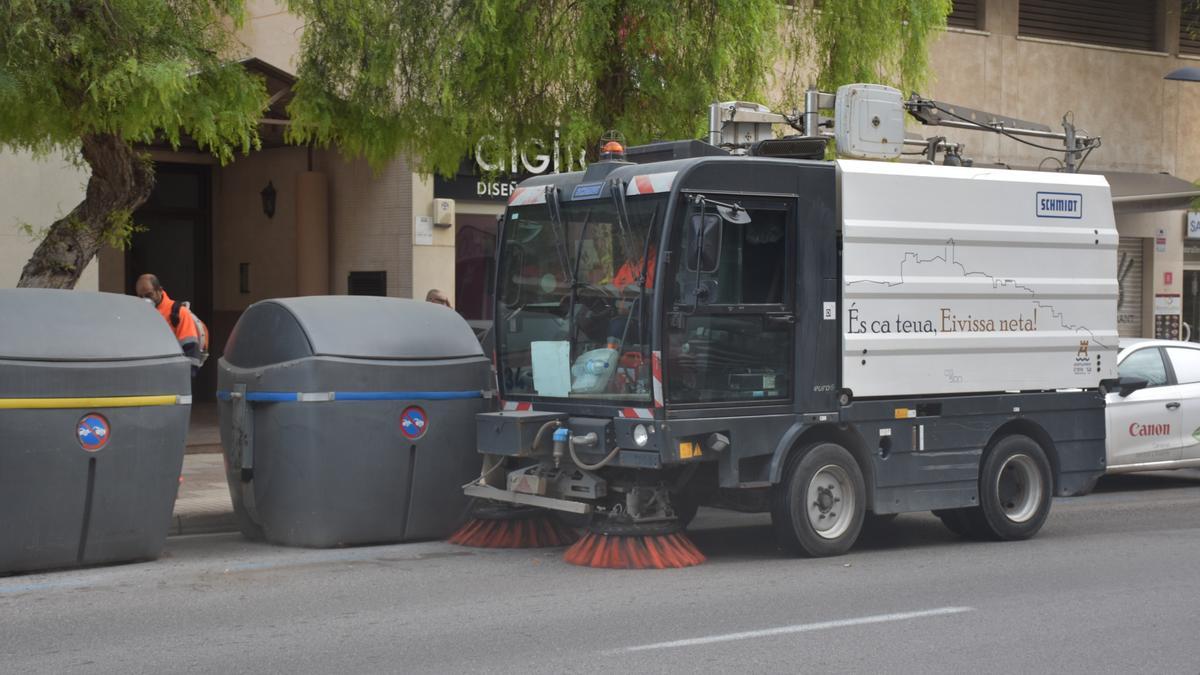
[(121, 181)]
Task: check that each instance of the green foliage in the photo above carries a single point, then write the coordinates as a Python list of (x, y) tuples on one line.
[(431, 78), (139, 69), (878, 41), (120, 230)]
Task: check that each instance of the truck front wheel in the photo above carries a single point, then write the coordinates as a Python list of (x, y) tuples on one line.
[(1015, 488), (819, 507)]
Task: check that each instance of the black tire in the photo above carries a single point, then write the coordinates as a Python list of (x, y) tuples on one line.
[(790, 502), (1015, 488), (956, 520)]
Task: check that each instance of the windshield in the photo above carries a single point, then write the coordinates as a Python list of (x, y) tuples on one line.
[(586, 338)]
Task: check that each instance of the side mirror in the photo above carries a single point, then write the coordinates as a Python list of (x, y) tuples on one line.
[(704, 243), (1123, 385), (1131, 384)]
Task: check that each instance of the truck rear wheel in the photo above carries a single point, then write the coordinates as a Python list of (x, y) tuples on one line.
[(819, 507), (1015, 489)]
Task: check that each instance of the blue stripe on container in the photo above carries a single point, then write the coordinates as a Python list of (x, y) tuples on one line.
[(272, 396), (287, 396), (405, 395)]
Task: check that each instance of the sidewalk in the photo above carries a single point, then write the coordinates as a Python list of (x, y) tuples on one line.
[(203, 505), (204, 430)]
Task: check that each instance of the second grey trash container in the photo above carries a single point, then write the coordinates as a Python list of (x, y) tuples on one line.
[(350, 420)]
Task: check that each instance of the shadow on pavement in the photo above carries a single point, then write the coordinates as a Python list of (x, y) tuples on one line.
[(756, 540), (1151, 480)]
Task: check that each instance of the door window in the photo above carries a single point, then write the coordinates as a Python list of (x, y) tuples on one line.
[(731, 327), (1144, 364), (1186, 363)]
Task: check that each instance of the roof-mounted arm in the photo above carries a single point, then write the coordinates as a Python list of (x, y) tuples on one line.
[(868, 123), (936, 113)]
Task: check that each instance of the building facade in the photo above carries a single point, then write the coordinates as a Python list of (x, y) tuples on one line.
[(287, 221)]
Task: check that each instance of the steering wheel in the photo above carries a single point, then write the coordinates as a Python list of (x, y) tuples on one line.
[(596, 298), (599, 307)]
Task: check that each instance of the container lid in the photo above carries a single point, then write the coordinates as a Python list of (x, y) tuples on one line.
[(274, 331), (42, 324)]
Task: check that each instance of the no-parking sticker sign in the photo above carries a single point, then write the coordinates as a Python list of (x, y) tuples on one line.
[(413, 422), (93, 432)]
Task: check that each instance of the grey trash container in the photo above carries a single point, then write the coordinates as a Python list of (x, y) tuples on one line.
[(349, 419), (95, 397)]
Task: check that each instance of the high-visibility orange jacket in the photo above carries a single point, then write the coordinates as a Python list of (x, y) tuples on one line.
[(185, 332), (628, 273)]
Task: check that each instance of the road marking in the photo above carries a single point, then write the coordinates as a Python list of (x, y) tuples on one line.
[(799, 628)]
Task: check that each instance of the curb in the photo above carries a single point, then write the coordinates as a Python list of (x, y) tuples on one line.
[(202, 523)]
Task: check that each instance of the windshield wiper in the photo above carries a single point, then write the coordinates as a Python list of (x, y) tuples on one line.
[(554, 208), (616, 190), (643, 322), (574, 285)]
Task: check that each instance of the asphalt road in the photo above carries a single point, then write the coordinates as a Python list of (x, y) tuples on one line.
[(1110, 585)]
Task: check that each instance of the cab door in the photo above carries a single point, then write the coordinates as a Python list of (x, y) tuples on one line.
[(1145, 426), (730, 319)]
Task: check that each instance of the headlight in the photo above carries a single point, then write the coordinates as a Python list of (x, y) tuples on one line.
[(641, 435)]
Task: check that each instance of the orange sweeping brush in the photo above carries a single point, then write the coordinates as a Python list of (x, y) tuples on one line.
[(662, 546), (498, 527)]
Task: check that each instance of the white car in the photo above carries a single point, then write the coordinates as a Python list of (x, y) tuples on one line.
[(1155, 426)]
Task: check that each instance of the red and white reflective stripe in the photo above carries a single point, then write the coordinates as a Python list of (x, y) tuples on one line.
[(637, 413), (651, 183), (517, 405), (529, 195), (656, 376)]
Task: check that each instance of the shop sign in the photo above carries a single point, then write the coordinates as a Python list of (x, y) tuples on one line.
[(1160, 240), (493, 172), (1193, 225)]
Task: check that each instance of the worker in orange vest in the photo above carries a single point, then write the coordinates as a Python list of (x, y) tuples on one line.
[(182, 322)]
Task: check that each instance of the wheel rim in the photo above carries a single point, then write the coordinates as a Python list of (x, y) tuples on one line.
[(831, 501), (1019, 488)]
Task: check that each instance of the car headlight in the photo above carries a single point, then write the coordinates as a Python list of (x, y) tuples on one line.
[(641, 435)]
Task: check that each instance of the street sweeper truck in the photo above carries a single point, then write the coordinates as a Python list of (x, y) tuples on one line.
[(744, 324)]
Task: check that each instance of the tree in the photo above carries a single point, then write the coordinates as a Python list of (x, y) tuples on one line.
[(430, 79), (880, 41), (424, 78), (93, 78)]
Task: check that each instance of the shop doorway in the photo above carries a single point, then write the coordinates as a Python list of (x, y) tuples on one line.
[(175, 244), (1191, 305), (475, 266)]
